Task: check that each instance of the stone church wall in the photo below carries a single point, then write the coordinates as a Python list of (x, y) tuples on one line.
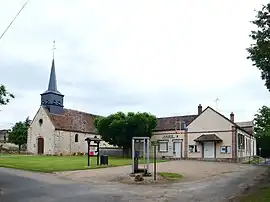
[(41, 126), (65, 142)]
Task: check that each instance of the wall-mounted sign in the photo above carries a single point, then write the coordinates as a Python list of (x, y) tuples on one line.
[(167, 136)]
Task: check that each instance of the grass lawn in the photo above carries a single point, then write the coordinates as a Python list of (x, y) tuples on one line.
[(58, 163), (255, 160), (171, 176), (263, 195)]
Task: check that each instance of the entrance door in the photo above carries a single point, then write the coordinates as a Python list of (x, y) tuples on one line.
[(40, 145), (209, 150), (177, 149)]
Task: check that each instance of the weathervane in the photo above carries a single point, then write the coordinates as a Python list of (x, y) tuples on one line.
[(216, 101), (53, 48)]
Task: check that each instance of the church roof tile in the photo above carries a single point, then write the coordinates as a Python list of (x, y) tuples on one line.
[(73, 120)]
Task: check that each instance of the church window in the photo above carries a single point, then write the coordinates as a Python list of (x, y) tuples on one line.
[(40, 121), (58, 103), (76, 138)]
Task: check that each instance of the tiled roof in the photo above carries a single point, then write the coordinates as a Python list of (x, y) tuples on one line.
[(245, 124), (210, 137), (73, 120), (172, 123), (77, 121)]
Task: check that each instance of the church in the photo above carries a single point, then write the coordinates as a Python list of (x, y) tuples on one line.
[(57, 130)]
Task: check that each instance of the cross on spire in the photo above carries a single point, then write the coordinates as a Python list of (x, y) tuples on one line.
[(53, 48)]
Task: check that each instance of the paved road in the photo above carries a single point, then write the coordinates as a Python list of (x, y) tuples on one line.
[(22, 186)]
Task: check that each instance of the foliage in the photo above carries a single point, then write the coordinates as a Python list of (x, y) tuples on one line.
[(171, 175), (259, 52), (262, 127), (261, 195), (5, 96), (18, 134), (119, 128), (262, 122)]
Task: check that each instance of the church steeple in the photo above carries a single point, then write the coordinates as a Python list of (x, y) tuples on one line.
[(52, 83), (52, 99)]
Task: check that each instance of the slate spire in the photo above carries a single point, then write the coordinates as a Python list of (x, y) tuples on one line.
[(52, 82)]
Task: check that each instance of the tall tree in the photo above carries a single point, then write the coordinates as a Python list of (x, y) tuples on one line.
[(5, 96), (262, 128), (119, 128), (262, 122), (18, 134), (259, 52)]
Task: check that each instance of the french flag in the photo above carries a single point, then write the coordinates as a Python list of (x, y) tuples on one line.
[(185, 125)]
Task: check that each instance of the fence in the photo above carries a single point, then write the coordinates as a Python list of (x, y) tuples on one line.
[(117, 152)]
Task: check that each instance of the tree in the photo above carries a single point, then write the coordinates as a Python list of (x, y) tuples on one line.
[(119, 128), (259, 52), (262, 127), (18, 134), (262, 122), (5, 96)]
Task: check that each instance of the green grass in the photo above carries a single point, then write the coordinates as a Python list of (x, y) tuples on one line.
[(172, 176), (255, 160), (263, 195), (58, 163)]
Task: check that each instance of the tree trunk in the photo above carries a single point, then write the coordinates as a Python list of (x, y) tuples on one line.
[(19, 148)]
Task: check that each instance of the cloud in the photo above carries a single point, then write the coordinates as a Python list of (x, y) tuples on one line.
[(164, 57)]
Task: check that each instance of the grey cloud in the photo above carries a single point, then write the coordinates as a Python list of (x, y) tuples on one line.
[(106, 94), (22, 76)]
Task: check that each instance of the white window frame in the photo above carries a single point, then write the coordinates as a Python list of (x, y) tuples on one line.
[(194, 148), (225, 149), (166, 142)]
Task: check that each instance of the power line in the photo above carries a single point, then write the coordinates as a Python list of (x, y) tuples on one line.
[(13, 19)]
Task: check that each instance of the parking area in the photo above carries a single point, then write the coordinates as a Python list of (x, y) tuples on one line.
[(191, 170)]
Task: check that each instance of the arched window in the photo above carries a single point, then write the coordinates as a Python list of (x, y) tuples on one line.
[(76, 137), (40, 122)]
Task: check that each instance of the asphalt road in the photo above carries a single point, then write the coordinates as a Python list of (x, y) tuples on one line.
[(20, 186), (23, 186)]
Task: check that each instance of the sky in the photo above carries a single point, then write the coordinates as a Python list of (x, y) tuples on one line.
[(157, 56)]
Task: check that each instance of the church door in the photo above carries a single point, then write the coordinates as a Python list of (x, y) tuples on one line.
[(40, 145)]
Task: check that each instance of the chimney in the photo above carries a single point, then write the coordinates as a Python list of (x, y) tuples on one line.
[(232, 116), (199, 109)]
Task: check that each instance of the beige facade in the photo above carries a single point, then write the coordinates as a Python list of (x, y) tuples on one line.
[(55, 141), (229, 145), (208, 123), (41, 127), (246, 146), (171, 143)]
